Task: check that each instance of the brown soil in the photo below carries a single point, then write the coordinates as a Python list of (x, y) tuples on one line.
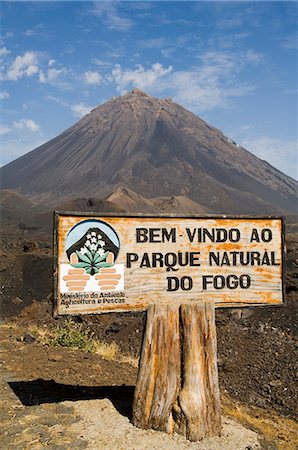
[(60, 398)]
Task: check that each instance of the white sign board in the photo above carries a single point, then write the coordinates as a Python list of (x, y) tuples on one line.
[(111, 263)]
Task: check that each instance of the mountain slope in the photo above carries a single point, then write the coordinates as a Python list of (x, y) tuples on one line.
[(157, 148), (15, 207), (131, 202)]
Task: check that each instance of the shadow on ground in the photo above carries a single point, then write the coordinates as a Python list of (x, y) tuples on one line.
[(40, 391)]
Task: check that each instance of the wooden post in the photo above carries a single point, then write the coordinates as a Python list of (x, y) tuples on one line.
[(158, 381), (177, 387)]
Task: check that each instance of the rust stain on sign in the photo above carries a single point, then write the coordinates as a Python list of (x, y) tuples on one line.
[(108, 263)]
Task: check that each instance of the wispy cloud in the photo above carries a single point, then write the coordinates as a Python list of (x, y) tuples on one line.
[(51, 74), (195, 91), (19, 145), (253, 57), (140, 77), (112, 16), (101, 63), (4, 129), (22, 124), (215, 82), (26, 124), (153, 42), (290, 42), (278, 152), (5, 36), (211, 84), (4, 95), (37, 30), (4, 51), (70, 49), (93, 77), (234, 19), (78, 109), (167, 52), (164, 45)]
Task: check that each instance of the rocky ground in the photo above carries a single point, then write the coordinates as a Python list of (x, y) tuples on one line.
[(60, 398)]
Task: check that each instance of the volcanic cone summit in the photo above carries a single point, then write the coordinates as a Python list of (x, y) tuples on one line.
[(156, 148)]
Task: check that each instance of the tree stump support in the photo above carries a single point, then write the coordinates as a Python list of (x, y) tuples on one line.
[(177, 387)]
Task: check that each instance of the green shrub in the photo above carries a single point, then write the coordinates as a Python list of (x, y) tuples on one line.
[(71, 334)]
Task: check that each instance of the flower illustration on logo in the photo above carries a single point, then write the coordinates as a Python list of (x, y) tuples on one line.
[(92, 247), (92, 257)]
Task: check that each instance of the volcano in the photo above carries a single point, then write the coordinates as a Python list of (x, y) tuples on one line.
[(156, 148)]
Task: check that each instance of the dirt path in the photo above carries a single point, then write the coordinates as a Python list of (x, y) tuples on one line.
[(62, 399), (116, 432)]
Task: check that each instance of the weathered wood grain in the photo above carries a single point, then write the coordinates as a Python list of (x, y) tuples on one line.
[(199, 397), (144, 285), (159, 372), (177, 387)]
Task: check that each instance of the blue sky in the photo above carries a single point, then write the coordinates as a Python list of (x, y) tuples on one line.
[(232, 63)]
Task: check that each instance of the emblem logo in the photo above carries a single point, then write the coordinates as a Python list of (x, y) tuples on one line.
[(92, 247)]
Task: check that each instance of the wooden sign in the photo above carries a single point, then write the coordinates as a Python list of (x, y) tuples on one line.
[(111, 263), (179, 269)]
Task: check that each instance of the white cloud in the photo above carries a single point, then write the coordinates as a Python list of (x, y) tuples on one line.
[(165, 46), (244, 129), (35, 31), (253, 57), (4, 52), (19, 138), (201, 90), (290, 42), (167, 52), (28, 64), (212, 84), (27, 124), (25, 65), (22, 124), (100, 62), (192, 90), (153, 43), (91, 77), (215, 82), (111, 15), (5, 36), (278, 152), (29, 32), (70, 49), (80, 109), (4, 129), (52, 74), (4, 95), (139, 77), (236, 19)]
